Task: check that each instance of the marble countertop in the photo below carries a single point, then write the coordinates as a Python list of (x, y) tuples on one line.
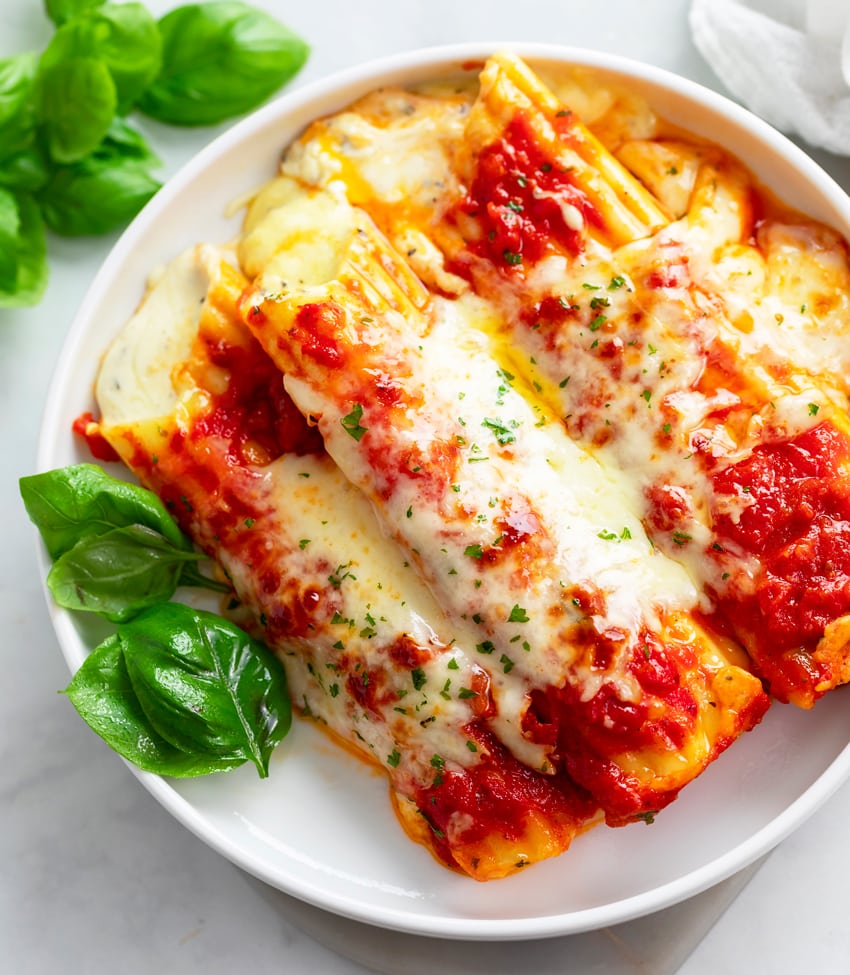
[(96, 876)]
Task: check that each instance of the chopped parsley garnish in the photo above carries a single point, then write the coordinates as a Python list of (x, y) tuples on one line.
[(500, 430), (474, 551), (341, 573), (518, 615), (351, 422)]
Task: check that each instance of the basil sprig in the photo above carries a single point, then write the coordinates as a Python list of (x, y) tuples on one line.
[(175, 690), (183, 692), (123, 37), (219, 60), (115, 547), (69, 160)]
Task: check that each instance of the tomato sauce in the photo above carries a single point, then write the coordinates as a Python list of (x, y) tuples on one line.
[(797, 523), (499, 793), (523, 200), (590, 735), (85, 426), (254, 412)]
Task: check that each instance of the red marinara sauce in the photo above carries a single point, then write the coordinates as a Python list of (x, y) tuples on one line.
[(86, 426), (254, 411), (590, 735), (796, 521), (499, 794), (521, 199)]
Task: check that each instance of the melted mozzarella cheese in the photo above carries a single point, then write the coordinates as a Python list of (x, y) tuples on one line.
[(725, 330), (514, 526), (368, 650), (380, 600), (508, 461)]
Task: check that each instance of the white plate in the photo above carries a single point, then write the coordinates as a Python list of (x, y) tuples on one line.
[(321, 827)]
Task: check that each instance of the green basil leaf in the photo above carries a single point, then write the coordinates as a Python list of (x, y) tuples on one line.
[(10, 229), (122, 141), (76, 102), (219, 60), (103, 696), (70, 503), (96, 195), (124, 37), (30, 249), (205, 685), (25, 170), (119, 573), (17, 103), (61, 10)]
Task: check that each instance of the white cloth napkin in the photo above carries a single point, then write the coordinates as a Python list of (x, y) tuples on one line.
[(786, 60)]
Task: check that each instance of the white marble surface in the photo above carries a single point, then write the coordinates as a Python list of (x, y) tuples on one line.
[(96, 876)]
